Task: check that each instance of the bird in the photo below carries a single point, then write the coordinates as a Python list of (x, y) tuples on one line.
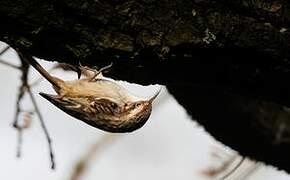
[(98, 102)]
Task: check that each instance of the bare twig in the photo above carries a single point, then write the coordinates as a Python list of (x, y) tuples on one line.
[(249, 171), (25, 87), (4, 50), (227, 158), (234, 169), (19, 143), (6, 63), (15, 122), (9, 64), (44, 128), (96, 148), (21, 92)]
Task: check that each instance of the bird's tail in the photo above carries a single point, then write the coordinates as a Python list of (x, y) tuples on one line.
[(56, 82)]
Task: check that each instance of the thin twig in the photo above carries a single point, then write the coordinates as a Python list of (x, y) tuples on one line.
[(234, 169), (98, 147), (249, 171), (19, 142), (6, 63), (25, 67), (43, 126), (22, 90), (15, 122), (9, 64), (4, 50), (19, 98), (227, 159)]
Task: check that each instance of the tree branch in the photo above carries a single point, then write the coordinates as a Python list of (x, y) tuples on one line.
[(226, 62)]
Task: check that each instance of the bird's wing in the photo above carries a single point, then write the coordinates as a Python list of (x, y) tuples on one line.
[(104, 106)]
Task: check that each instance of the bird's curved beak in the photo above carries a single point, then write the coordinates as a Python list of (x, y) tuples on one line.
[(155, 95)]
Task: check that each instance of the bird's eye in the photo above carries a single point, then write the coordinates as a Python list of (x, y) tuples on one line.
[(114, 106), (138, 104)]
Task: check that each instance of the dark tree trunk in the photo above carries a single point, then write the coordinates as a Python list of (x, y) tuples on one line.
[(227, 62)]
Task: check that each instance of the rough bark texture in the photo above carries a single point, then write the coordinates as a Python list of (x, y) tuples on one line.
[(227, 62)]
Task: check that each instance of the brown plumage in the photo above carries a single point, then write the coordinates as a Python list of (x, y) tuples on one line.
[(100, 103)]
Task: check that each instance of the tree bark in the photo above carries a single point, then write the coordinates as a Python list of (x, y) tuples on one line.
[(226, 62)]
